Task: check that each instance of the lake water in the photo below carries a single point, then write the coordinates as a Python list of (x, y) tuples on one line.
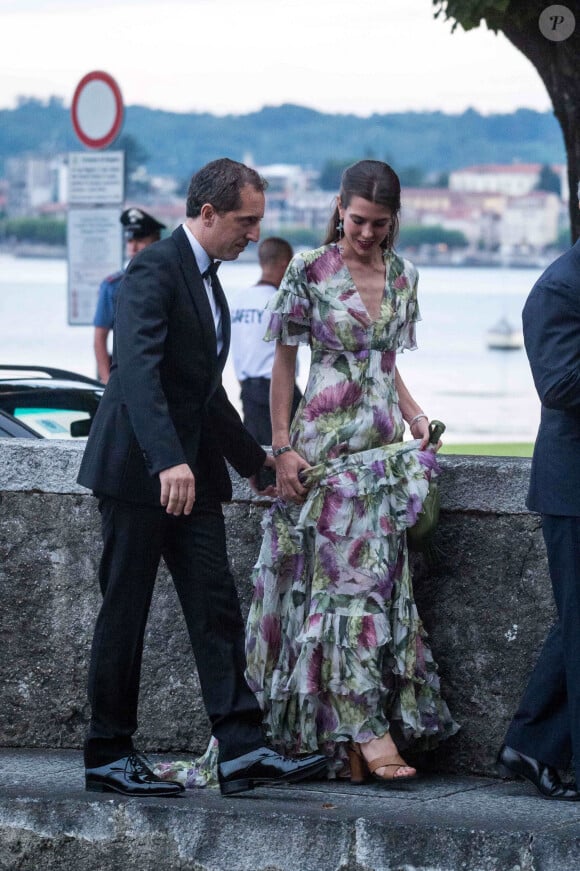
[(481, 395)]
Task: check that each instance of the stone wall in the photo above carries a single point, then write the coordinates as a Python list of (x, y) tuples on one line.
[(485, 600)]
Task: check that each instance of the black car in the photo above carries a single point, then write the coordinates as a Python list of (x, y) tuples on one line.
[(42, 402)]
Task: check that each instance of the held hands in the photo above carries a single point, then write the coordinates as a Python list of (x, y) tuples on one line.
[(177, 489), (257, 481), (288, 466)]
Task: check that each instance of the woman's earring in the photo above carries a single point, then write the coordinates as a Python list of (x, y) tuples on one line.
[(339, 229), (387, 243)]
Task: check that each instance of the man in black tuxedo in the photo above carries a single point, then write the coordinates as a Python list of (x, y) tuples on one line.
[(155, 460), (545, 732)]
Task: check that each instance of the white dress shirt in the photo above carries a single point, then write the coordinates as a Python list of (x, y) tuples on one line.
[(203, 260)]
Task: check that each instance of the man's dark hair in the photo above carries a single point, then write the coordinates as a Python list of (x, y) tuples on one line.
[(272, 249), (219, 183)]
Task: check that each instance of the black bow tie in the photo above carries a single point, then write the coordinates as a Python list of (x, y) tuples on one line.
[(211, 270)]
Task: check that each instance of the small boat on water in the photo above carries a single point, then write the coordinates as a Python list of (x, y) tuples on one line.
[(504, 337)]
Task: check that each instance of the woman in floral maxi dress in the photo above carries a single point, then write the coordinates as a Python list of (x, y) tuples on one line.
[(336, 651)]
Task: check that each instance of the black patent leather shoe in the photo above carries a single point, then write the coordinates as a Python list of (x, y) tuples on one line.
[(130, 775), (265, 767), (544, 777)]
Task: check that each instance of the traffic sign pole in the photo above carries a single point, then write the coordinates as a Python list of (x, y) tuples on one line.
[(96, 194)]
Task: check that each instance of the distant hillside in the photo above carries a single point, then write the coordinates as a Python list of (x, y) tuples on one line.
[(177, 144)]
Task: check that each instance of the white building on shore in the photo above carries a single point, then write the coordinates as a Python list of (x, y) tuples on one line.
[(511, 179), (497, 207)]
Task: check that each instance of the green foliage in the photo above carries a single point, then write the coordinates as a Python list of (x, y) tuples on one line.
[(564, 239), (411, 176), (470, 13), (413, 236), (556, 64), (135, 154), (548, 180), (498, 449), (35, 127), (135, 157), (300, 237), (331, 174), (177, 144), (46, 231)]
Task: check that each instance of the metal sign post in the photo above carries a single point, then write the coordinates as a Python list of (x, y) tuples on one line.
[(96, 194)]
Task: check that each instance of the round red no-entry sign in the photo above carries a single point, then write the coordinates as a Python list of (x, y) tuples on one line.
[(97, 110)]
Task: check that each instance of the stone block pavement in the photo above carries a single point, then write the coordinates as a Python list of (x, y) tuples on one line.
[(440, 823)]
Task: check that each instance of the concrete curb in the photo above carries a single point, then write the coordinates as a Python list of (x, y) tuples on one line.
[(48, 821), (486, 603)]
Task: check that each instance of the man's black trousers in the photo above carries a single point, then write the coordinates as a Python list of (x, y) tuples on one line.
[(547, 723), (135, 537)]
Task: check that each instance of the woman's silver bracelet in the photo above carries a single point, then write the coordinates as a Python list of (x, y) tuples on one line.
[(417, 417)]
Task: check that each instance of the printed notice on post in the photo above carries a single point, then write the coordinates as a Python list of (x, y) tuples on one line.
[(94, 234), (94, 252), (96, 178)]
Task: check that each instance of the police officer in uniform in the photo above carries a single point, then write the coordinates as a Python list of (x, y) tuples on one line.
[(140, 230)]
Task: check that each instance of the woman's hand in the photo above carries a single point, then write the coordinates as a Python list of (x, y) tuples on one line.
[(420, 430), (288, 467)]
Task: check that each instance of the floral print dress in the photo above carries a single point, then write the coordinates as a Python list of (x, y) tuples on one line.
[(335, 647)]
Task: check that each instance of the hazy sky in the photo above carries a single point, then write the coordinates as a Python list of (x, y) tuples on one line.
[(235, 56)]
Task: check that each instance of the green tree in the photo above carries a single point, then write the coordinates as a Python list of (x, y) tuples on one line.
[(414, 235), (548, 180), (331, 174), (301, 237), (412, 176), (135, 157), (555, 62), (562, 242), (45, 231)]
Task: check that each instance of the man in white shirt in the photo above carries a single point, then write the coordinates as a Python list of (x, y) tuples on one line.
[(252, 357)]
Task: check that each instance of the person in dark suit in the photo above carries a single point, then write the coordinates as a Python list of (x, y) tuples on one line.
[(545, 732), (155, 458)]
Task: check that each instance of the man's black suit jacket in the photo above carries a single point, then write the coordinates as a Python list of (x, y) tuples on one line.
[(551, 320), (164, 403)]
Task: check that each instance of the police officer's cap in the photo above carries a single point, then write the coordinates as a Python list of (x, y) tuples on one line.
[(137, 224)]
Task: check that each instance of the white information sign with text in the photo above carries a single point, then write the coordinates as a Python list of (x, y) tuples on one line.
[(95, 250), (96, 178)]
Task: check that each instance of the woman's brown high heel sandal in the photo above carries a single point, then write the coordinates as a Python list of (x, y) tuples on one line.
[(360, 768)]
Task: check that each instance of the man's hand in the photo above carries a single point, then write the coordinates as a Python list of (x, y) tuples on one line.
[(177, 489), (255, 482)]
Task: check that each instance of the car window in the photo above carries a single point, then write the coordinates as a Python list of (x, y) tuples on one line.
[(52, 409), (14, 429), (51, 423)]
